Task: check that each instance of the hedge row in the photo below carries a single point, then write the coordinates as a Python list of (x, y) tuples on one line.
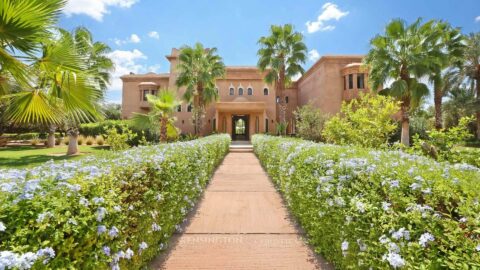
[(368, 209), (112, 211)]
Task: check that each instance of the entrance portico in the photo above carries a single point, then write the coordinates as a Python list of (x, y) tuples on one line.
[(241, 119)]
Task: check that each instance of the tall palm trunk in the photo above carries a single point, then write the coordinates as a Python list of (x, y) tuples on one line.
[(163, 129), (281, 93), (51, 137), (437, 99), (72, 141), (198, 110), (478, 101), (405, 137)]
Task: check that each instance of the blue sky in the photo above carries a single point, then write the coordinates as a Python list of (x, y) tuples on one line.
[(142, 32)]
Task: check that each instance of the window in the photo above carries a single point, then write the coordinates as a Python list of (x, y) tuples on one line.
[(266, 125), (232, 91), (360, 81), (257, 124), (240, 91), (344, 82), (265, 91), (350, 81), (214, 124), (286, 99), (249, 91), (278, 99), (154, 92), (145, 93), (179, 108), (189, 108)]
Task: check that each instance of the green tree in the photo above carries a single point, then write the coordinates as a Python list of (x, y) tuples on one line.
[(163, 107), (310, 122), (199, 68), (451, 42), (281, 55), (460, 104), (366, 121)]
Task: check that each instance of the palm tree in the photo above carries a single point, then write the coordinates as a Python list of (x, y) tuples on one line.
[(64, 91), (163, 107), (460, 104), (24, 24), (281, 54), (469, 73), (452, 44), (199, 68), (404, 54)]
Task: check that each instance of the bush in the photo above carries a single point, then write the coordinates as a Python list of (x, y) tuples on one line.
[(366, 121), (89, 140), (98, 128), (80, 139), (100, 140), (35, 141), (110, 210), (310, 122), (364, 208), (119, 140)]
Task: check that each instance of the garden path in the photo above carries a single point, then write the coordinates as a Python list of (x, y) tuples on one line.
[(241, 223)]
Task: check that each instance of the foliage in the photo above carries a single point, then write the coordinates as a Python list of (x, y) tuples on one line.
[(404, 54), (310, 122), (81, 140), (98, 128), (118, 140), (109, 211), (366, 121), (281, 56), (368, 209), (281, 128), (89, 140), (160, 117), (99, 140), (112, 111), (460, 103), (441, 144), (198, 70)]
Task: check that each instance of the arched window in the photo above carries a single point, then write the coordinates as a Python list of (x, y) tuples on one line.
[(240, 91), (232, 91), (286, 99), (360, 81), (189, 108), (179, 108), (278, 99), (265, 91), (249, 91)]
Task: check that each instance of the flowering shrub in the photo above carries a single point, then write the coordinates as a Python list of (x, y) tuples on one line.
[(374, 209), (116, 210)]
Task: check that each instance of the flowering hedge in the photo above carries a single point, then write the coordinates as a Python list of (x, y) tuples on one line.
[(112, 211), (364, 208)]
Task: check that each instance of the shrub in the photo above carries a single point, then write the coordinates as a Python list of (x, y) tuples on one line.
[(115, 209), (80, 139), (100, 140), (366, 121), (119, 140), (35, 141), (89, 140), (58, 140), (98, 128), (364, 208), (310, 122)]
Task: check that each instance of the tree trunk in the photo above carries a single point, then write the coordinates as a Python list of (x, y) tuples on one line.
[(437, 99), (72, 142), (51, 137), (282, 107), (163, 129), (478, 100), (405, 110)]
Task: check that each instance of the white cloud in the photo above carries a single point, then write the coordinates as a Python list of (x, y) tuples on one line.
[(95, 8), (313, 55), (296, 77), (154, 35), (477, 19), (154, 68), (134, 38), (330, 12), (125, 62)]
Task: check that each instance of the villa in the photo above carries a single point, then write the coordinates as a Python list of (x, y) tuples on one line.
[(247, 105)]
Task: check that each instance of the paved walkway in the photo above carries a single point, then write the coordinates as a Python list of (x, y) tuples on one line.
[(241, 223)]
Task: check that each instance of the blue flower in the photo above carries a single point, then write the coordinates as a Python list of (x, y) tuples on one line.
[(113, 232), (101, 229)]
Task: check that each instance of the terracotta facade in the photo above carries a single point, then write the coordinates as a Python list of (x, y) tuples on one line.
[(247, 105)]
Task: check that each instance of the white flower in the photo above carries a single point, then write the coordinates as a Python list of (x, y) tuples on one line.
[(83, 201), (427, 191), (360, 206), (386, 206), (42, 216), (395, 260), (402, 232), (345, 245), (415, 186), (98, 200), (361, 245), (128, 254), (477, 248), (142, 246), (463, 220), (2, 227), (155, 227), (383, 239), (48, 253), (425, 238), (101, 212)]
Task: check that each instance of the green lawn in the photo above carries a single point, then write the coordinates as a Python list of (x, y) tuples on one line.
[(28, 156)]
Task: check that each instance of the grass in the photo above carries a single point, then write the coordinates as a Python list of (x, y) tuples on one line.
[(30, 156)]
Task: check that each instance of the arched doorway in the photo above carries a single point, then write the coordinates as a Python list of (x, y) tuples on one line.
[(240, 128)]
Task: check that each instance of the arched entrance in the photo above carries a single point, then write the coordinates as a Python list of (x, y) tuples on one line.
[(240, 128)]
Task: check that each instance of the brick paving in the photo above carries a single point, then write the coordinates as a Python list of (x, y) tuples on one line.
[(241, 223)]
